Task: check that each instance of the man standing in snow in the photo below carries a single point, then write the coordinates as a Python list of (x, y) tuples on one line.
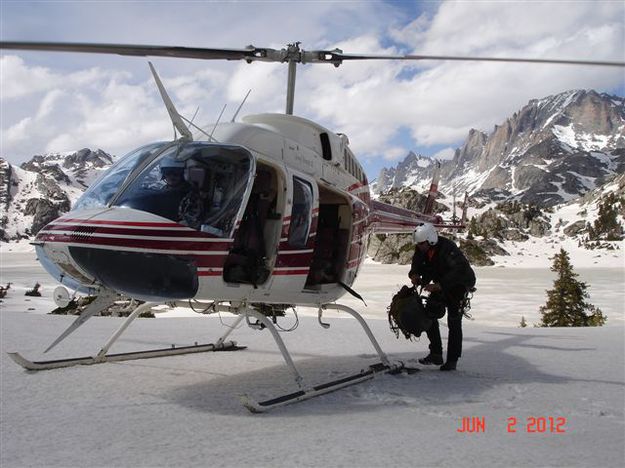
[(442, 269)]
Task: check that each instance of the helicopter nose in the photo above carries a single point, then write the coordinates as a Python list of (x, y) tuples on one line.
[(130, 251), (145, 276)]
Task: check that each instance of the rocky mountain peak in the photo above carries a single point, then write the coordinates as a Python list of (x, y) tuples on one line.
[(412, 170), (44, 187), (552, 150), (72, 167), (86, 157)]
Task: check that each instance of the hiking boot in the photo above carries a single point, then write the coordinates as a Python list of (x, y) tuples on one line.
[(432, 359), (449, 365)]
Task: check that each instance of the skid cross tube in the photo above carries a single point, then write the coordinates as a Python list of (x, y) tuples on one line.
[(102, 356), (364, 325), (138, 311), (104, 299), (276, 336), (307, 392)]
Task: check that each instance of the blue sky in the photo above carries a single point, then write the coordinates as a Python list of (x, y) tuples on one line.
[(63, 102)]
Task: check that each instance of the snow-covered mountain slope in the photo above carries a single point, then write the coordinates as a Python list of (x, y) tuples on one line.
[(551, 151), (508, 233), (414, 171), (43, 188)]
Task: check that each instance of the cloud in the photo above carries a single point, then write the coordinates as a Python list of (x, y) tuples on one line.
[(385, 107), (445, 154), (395, 153), (440, 102), (18, 80)]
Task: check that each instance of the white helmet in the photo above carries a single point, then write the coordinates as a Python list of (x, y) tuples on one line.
[(425, 232), (170, 166)]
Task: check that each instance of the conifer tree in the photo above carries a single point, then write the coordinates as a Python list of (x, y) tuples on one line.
[(607, 226), (566, 303), (473, 229)]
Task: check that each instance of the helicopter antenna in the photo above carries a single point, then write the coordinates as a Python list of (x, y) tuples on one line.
[(218, 119), (199, 129), (195, 115), (175, 117), (241, 105)]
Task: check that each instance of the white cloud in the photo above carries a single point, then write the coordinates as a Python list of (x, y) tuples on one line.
[(395, 153), (445, 154), (114, 105)]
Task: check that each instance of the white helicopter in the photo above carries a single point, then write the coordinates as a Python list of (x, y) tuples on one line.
[(279, 214)]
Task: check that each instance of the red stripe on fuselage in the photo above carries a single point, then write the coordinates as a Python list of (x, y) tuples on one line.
[(148, 244)]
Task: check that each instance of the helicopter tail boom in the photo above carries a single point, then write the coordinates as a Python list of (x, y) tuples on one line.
[(388, 219)]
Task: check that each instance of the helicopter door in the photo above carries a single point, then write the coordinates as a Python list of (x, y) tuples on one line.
[(332, 240), (253, 250), (296, 244)]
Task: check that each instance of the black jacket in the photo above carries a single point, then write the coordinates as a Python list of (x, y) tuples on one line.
[(447, 266)]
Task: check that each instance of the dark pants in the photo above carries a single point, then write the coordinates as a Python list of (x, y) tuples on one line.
[(454, 323)]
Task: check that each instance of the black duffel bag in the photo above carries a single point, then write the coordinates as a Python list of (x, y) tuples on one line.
[(407, 314)]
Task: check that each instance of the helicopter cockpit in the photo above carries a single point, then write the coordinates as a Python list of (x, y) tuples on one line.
[(197, 184)]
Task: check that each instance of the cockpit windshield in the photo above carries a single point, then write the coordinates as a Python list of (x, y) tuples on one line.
[(101, 192), (198, 184)]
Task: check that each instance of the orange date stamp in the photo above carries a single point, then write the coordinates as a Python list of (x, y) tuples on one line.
[(540, 425), (530, 425)]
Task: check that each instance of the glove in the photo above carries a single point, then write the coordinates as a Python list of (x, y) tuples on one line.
[(434, 287)]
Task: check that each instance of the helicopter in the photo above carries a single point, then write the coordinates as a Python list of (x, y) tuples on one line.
[(283, 215)]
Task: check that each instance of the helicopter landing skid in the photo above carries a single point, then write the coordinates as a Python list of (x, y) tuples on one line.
[(102, 356), (90, 360), (306, 392), (327, 387)]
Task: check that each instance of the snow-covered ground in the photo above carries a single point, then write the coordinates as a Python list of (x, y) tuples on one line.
[(184, 410)]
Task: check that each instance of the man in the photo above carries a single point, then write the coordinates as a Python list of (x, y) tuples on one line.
[(196, 205), (172, 173), (443, 270), (175, 187)]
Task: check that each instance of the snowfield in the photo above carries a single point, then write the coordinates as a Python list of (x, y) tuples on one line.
[(542, 397)]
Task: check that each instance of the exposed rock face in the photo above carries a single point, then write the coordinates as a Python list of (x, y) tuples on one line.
[(414, 170), (551, 151), (397, 248), (410, 199), (43, 188), (6, 182), (65, 168)]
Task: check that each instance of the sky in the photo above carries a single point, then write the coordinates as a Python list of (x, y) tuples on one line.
[(57, 102)]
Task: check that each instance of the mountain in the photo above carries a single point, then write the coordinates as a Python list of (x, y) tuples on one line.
[(41, 189), (551, 151), (553, 173), (414, 171)]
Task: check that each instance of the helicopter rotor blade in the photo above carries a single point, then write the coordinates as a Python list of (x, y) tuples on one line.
[(292, 53), (250, 53), (337, 57)]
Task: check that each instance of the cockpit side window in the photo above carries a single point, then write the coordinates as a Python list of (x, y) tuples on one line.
[(301, 213)]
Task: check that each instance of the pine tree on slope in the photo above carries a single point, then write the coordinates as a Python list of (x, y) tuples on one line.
[(566, 303)]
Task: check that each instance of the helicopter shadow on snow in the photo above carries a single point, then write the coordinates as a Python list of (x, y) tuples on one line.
[(487, 365)]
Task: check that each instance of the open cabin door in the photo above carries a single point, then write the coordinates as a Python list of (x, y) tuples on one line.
[(253, 253), (332, 242)]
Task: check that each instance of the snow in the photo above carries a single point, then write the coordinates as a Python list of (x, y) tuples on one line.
[(585, 141), (184, 410), (17, 221)]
